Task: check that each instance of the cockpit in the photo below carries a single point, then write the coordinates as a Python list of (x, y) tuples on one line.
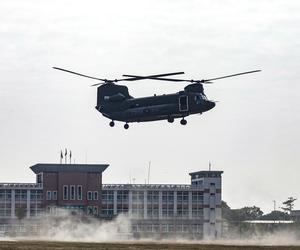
[(199, 97)]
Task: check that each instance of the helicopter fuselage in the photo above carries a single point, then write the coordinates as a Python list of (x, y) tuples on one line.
[(115, 103), (120, 106)]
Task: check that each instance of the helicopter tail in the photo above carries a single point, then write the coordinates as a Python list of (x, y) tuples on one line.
[(110, 93)]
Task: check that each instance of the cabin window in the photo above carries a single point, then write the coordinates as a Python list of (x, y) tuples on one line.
[(183, 103)]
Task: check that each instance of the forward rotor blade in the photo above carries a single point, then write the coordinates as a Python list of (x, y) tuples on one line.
[(243, 73), (72, 72)]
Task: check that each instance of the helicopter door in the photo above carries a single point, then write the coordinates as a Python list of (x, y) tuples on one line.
[(183, 103)]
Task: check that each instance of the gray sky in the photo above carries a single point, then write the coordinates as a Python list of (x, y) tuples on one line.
[(252, 134)]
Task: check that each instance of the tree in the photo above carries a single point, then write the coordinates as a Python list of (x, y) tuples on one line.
[(276, 215), (250, 213), (241, 214), (288, 204)]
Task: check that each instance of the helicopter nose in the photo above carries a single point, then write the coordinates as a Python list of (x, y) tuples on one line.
[(210, 105)]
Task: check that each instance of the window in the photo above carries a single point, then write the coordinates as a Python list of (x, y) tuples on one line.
[(89, 210), (48, 209), (39, 178), (183, 103), (54, 195), (95, 195), (95, 210), (72, 192), (90, 195), (65, 194), (79, 192), (48, 196)]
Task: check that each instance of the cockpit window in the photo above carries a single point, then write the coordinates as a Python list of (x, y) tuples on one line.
[(203, 96), (200, 97)]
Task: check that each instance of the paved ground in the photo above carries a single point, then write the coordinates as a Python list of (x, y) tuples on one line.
[(47, 245)]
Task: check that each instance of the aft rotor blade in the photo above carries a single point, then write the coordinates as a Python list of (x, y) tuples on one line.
[(135, 77), (72, 72), (193, 81), (243, 73), (156, 78), (96, 84)]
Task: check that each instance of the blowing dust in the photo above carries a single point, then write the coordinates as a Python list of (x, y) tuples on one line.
[(74, 228)]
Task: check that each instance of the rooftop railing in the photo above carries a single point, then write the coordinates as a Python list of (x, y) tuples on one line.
[(150, 186), (21, 185)]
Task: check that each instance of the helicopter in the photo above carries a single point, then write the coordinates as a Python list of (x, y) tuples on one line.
[(115, 103)]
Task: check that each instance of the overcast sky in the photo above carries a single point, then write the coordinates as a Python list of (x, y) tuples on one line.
[(252, 134)]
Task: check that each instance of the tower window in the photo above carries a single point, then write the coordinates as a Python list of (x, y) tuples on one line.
[(95, 195), (54, 195), (90, 195), (48, 196), (72, 192), (65, 193), (79, 192)]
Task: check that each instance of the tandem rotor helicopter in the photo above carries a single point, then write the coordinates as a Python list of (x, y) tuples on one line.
[(115, 103)]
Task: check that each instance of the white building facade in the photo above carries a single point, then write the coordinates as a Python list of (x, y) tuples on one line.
[(192, 211)]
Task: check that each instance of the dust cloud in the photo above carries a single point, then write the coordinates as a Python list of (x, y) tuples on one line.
[(68, 227), (73, 228)]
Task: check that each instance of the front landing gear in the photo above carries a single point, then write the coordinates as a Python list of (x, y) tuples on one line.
[(126, 126), (112, 124), (183, 121)]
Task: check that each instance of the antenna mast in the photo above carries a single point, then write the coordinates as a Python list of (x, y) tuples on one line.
[(149, 171)]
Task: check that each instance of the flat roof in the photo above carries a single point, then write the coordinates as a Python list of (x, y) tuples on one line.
[(206, 172), (79, 168), (148, 186)]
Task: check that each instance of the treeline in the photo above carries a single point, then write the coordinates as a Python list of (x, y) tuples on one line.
[(238, 223), (255, 213)]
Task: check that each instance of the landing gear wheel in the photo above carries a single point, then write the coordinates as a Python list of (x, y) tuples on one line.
[(170, 119), (183, 121), (126, 126), (112, 124)]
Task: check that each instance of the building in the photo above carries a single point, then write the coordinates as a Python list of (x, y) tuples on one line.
[(189, 210), (295, 215), (71, 186), (192, 210)]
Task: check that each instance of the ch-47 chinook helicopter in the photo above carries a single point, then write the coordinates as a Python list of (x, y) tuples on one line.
[(115, 103)]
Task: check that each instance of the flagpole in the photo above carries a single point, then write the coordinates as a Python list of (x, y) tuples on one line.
[(66, 154), (61, 156)]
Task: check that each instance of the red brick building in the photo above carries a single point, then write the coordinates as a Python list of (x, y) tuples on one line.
[(73, 186)]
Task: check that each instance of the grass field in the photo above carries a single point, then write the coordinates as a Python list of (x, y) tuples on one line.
[(47, 245)]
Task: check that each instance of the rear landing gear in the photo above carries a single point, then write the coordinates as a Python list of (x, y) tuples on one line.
[(183, 121), (126, 126), (112, 124), (171, 119)]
